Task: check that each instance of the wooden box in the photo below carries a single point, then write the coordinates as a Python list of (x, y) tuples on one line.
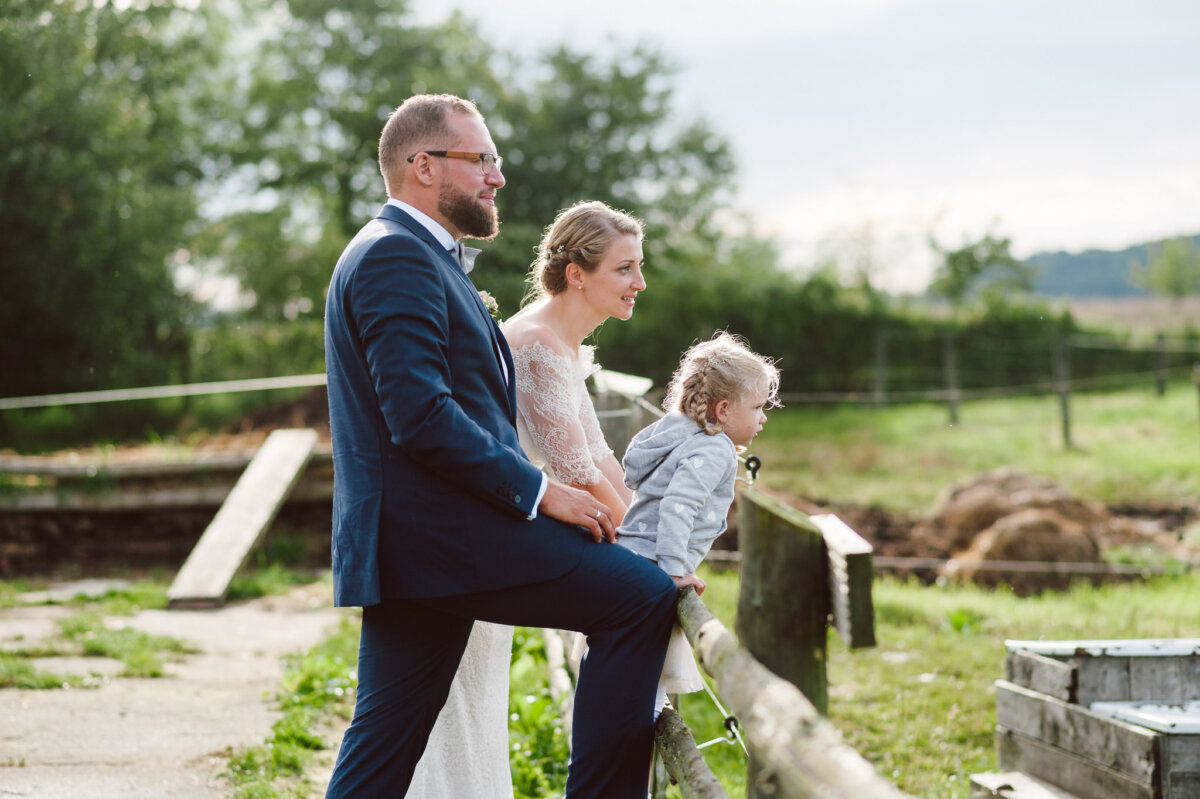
[(1104, 719)]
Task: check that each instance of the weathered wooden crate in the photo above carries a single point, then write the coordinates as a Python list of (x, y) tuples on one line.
[(1178, 725), (1083, 672), (1105, 719)]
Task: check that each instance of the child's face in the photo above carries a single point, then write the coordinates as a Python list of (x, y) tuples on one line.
[(745, 417)]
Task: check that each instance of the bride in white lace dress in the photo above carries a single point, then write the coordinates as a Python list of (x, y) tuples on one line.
[(588, 269)]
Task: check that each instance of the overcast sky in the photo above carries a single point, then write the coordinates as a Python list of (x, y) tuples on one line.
[(1062, 124)]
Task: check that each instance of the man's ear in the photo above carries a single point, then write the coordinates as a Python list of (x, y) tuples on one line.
[(423, 169), (721, 410)]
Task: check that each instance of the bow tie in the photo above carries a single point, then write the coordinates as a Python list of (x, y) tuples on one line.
[(465, 256)]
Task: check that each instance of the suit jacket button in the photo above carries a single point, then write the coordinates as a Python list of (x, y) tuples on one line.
[(517, 499)]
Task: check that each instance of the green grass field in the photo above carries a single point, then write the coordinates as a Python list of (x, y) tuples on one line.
[(1127, 446)]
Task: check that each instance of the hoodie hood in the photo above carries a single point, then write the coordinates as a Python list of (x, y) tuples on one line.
[(653, 444)]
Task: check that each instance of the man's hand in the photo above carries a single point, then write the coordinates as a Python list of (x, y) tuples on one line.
[(693, 581), (576, 506)]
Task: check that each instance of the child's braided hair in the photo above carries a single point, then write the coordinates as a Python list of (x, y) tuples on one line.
[(722, 368)]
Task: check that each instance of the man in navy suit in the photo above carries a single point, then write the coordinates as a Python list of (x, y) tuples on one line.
[(439, 518)]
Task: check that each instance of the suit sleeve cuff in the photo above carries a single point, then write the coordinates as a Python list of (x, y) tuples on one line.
[(541, 493)]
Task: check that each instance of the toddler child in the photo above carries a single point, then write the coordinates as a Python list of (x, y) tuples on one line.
[(682, 471)]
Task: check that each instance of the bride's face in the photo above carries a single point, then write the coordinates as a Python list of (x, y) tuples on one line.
[(613, 286)]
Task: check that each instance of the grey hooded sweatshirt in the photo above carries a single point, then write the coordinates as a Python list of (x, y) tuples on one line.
[(683, 482)]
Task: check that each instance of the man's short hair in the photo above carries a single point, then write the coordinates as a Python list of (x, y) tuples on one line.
[(419, 123)]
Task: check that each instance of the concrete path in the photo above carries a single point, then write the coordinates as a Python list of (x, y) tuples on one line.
[(154, 738)]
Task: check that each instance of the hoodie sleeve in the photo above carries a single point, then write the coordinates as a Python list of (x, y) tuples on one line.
[(696, 475)]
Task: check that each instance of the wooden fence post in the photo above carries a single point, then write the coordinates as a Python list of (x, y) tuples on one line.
[(1062, 375), (879, 383), (1196, 380), (950, 366), (1160, 363), (783, 603)]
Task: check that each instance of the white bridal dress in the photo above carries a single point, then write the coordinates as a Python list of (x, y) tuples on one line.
[(467, 753)]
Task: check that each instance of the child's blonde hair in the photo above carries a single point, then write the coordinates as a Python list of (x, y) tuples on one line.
[(722, 368)]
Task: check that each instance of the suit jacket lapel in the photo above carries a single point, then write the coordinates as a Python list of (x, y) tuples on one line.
[(499, 345)]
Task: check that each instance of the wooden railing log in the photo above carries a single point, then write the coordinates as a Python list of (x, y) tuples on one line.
[(799, 754), (683, 760)]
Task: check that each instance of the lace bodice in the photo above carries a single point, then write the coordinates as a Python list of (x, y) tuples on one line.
[(556, 420)]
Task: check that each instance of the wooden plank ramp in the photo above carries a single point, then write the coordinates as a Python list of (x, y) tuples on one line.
[(242, 519)]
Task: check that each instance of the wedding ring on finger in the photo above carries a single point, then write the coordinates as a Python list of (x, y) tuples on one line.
[(598, 514)]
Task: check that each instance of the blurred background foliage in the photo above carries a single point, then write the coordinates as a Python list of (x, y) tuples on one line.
[(154, 150)]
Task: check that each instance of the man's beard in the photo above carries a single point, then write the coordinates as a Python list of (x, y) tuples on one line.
[(467, 214)]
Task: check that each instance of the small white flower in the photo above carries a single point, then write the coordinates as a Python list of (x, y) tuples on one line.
[(641, 527), (679, 508), (697, 463)]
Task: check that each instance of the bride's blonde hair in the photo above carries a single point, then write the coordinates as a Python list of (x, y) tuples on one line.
[(581, 235), (722, 368)]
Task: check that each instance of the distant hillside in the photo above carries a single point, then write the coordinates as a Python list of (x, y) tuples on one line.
[(1091, 273)]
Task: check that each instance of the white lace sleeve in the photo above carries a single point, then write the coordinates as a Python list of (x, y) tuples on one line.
[(548, 400), (597, 446)]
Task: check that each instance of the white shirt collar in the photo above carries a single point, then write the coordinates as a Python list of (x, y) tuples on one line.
[(440, 233)]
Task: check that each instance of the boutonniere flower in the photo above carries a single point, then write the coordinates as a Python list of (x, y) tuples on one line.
[(490, 303)]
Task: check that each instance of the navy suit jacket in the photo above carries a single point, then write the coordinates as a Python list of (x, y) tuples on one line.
[(432, 492)]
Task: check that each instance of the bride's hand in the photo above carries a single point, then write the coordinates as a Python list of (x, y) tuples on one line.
[(576, 506)]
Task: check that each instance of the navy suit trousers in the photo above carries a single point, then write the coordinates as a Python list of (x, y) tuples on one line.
[(410, 648)]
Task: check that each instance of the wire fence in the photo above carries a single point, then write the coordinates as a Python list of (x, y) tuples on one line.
[(731, 558), (162, 392), (1039, 388)]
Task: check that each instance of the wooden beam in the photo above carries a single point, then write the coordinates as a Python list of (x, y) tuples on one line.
[(1046, 675), (1017, 752), (1078, 733), (850, 577), (242, 520), (133, 491), (683, 760)]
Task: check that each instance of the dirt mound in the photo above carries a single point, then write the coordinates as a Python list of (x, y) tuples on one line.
[(1005, 516), (1033, 534), (971, 506)]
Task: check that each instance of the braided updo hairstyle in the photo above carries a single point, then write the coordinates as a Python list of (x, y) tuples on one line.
[(722, 368), (580, 235)]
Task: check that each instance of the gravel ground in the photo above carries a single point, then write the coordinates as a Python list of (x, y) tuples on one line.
[(153, 738)]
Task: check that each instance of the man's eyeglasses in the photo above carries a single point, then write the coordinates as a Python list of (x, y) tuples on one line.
[(487, 161)]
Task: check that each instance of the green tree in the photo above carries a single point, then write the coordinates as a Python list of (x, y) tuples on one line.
[(101, 145), (570, 127), (985, 265), (1171, 269), (589, 128), (321, 82)]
